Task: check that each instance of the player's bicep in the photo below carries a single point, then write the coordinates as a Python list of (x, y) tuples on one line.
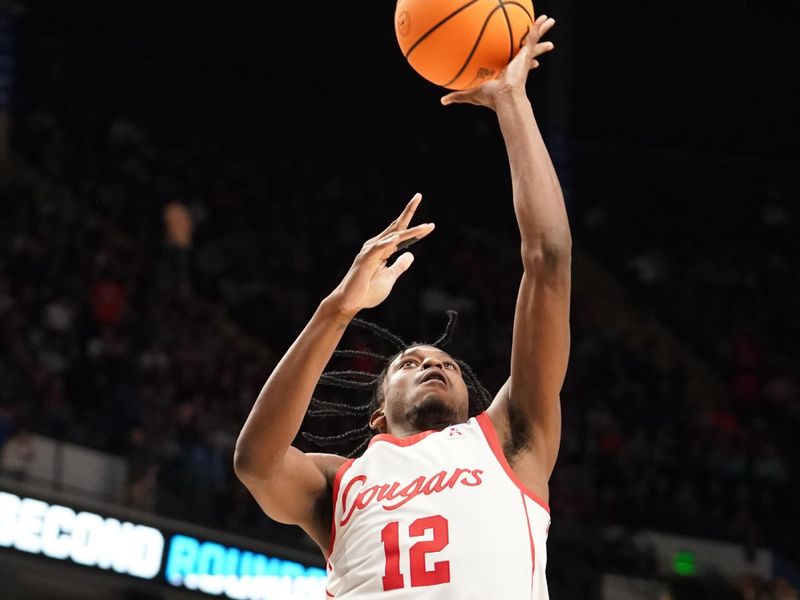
[(540, 348), (292, 492)]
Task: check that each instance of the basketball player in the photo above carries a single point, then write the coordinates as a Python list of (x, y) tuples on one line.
[(449, 501)]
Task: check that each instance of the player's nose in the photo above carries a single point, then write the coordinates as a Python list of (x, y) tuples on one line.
[(432, 361)]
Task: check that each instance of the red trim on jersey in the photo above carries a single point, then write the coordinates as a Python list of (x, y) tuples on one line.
[(329, 595), (530, 537), (337, 480), (489, 432), (403, 442)]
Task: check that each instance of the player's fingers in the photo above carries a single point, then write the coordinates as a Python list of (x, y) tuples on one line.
[(542, 48), (406, 243), (540, 20), (463, 97), (455, 98), (401, 265), (540, 27), (402, 244), (532, 36), (389, 244), (408, 213), (406, 238), (529, 37), (546, 26), (534, 64), (374, 245), (420, 231), (402, 221)]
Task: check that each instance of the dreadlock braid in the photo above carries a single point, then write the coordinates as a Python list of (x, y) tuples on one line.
[(334, 440), (381, 332), (447, 336), (351, 379), (357, 439), (483, 396), (362, 354), (361, 446), (322, 408)]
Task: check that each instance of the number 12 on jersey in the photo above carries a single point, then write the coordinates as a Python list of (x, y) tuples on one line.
[(420, 576)]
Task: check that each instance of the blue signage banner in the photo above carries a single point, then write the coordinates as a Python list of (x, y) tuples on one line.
[(162, 555)]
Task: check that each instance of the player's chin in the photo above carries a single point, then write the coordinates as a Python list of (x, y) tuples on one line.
[(434, 408)]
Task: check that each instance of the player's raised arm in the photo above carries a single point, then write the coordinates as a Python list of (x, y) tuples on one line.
[(286, 482), (540, 347)]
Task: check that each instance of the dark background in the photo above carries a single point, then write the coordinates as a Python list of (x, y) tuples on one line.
[(711, 76)]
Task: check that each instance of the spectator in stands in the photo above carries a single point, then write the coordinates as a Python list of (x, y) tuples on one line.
[(17, 455), (179, 227)]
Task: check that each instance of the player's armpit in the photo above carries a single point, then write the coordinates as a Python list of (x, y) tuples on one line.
[(530, 445), (294, 490)]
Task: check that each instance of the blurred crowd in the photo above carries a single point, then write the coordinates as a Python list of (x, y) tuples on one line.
[(126, 251), (717, 265)]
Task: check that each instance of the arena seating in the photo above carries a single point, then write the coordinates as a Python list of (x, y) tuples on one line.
[(118, 336)]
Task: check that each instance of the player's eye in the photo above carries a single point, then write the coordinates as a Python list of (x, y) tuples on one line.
[(407, 361), (449, 365)]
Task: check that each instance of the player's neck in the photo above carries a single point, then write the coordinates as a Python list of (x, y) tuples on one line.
[(409, 430)]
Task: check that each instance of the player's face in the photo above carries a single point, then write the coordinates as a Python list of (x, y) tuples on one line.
[(423, 390)]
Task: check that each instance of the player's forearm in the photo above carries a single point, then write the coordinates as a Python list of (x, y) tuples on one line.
[(278, 412), (538, 200)]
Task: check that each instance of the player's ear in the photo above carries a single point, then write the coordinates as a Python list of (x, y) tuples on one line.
[(377, 421)]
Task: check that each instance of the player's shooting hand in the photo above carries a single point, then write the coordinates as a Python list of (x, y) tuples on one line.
[(512, 79), (370, 278)]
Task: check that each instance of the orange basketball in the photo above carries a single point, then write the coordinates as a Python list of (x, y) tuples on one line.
[(459, 44)]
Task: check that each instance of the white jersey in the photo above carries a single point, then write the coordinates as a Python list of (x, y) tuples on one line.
[(436, 515)]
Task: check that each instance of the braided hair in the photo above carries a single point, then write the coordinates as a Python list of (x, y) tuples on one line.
[(354, 441)]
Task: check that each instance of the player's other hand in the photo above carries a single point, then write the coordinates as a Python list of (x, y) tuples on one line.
[(512, 79), (370, 278)]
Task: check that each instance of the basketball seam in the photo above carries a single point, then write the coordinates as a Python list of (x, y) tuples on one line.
[(510, 31), (512, 3), (425, 35), (474, 48)]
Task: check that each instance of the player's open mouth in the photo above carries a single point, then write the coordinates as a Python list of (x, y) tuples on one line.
[(433, 376)]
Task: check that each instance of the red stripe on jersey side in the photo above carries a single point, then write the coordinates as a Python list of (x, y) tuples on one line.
[(491, 437), (403, 442), (329, 595), (337, 480), (530, 537)]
